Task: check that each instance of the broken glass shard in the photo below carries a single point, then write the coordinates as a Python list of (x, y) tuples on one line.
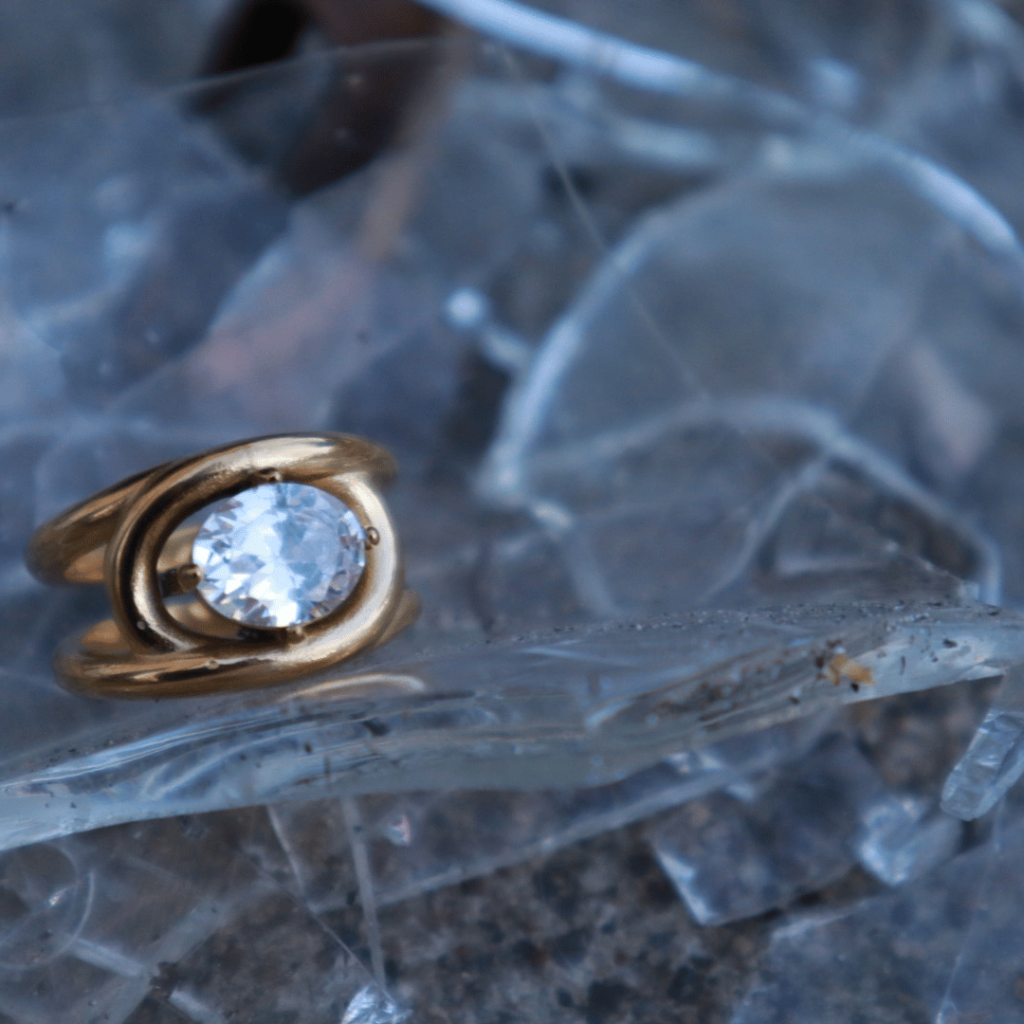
[(730, 860), (994, 761)]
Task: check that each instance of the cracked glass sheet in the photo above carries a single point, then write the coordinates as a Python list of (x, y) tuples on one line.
[(679, 462), (944, 948), (409, 836), (737, 855), (580, 709), (633, 481), (169, 921), (985, 983), (888, 957)]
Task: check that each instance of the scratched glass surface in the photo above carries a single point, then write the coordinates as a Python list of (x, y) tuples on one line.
[(699, 348)]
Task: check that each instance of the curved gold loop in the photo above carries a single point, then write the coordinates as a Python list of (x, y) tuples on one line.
[(130, 537)]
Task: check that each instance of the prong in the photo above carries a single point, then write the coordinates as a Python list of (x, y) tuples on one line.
[(372, 537), (293, 634), (180, 580), (268, 476)]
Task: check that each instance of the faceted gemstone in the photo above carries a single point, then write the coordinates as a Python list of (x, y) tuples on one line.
[(279, 554)]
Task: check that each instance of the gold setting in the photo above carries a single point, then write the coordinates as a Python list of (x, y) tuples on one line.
[(130, 538)]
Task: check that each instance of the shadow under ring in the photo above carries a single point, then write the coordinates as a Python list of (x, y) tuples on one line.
[(130, 537)]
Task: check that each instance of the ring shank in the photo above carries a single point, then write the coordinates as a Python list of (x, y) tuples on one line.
[(97, 663)]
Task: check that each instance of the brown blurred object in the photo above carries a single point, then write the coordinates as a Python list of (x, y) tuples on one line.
[(323, 115)]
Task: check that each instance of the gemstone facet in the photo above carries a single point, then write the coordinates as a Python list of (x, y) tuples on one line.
[(279, 554)]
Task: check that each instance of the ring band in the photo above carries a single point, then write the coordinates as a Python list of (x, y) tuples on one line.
[(166, 638)]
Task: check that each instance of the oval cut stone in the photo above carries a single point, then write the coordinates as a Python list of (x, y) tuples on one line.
[(279, 554)]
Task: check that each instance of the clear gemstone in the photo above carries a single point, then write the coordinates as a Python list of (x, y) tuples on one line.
[(279, 554)]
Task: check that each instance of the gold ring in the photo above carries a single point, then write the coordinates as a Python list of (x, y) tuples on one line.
[(295, 567)]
